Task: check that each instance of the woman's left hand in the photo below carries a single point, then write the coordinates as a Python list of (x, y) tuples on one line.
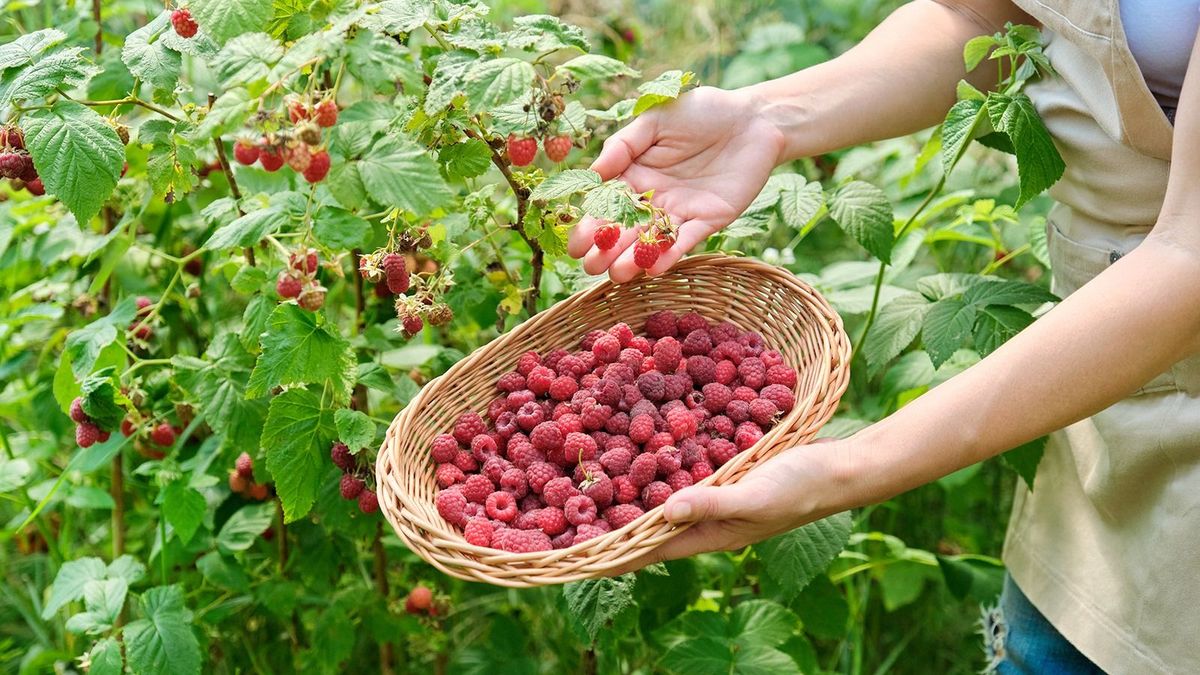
[(794, 488)]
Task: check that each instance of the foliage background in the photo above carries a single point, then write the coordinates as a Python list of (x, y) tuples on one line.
[(902, 597)]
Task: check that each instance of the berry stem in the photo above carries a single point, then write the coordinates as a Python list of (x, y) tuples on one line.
[(247, 252), (122, 101)]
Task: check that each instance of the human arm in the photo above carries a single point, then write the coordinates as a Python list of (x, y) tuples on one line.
[(707, 155)]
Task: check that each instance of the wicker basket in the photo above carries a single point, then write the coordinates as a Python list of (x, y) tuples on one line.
[(789, 314)]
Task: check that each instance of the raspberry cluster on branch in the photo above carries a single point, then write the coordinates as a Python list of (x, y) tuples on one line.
[(389, 269), (16, 164), (577, 444), (241, 480), (299, 280), (352, 485), (298, 143)]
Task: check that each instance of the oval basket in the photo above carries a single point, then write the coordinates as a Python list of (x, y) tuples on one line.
[(791, 316)]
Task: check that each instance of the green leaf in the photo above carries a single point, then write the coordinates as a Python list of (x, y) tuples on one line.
[(996, 325), (763, 660), (494, 83), (957, 130), (404, 16), (895, 327), (824, 611), (105, 658), (977, 49), (662, 89), (799, 202), (565, 183), (763, 622), (247, 58), (224, 19), (26, 48), (380, 62), (217, 570), (14, 474), (700, 656), (1024, 459), (227, 114), (249, 229), (184, 508), (794, 558), (249, 280), (339, 229), (997, 292), (99, 399), (104, 600), (171, 160), (163, 641), (1038, 245), (147, 56), (296, 440), (69, 583), (85, 345), (397, 172), (596, 67), (972, 576), (901, 583), (354, 428), (245, 526), (947, 327), (543, 33), (128, 568), (948, 284), (1038, 163), (64, 69), (864, 212), (468, 159), (595, 602), (301, 347), (614, 201), (77, 154)]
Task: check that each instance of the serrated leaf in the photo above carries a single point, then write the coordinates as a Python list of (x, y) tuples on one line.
[(596, 67), (244, 527), (662, 89), (614, 201), (339, 229), (1038, 163), (1006, 292), (799, 202), (380, 62), (595, 602), (699, 656), (26, 48), (468, 159), (976, 50), (99, 399), (148, 58), (128, 568), (163, 641), (792, 559), (543, 33), (300, 347), (248, 279), (247, 58), (1025, 459), (946, 329), (763, 622), (184, 508), (563, 183), (249, 229), (228, 113), (105, 658), (948, 284), (103, 600), (996, 325), (69, 583), (494, 83), (77, 154), (85, 345), (398, 172), (225, 19), (296, 441), (355, 429), (404, 16), (864, 212), (64, 69), (957, 130)]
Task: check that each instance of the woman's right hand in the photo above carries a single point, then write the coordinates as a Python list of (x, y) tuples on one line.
[(706, 156)]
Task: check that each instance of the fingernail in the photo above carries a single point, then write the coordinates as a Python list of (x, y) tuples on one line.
[(679, 512)]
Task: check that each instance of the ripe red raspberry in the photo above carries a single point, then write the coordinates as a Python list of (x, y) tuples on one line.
[(522, 453), (184, 24), (585, 469), (552, 521), (744, 393), (478, 532), (466, 461), (483, 446), (641, 428), (245, 466), (288, 285), (599, 488), (443, 449), (589, 338), (271, 159), (412, 324), (351, 487), (563, 388), (624, 491), (396, 272), (763, 412), (780, 395), (477, 488), (539, 380), (12, 137), (326, 113), (557, 148), (163, 435), (643, 469), (547, 436), (311, 298), (522, 541), (77, 414), (726, 330), (448, 474), (586, 532), (530, 415), (721, 451), (127, 427), (667, 354), (510, 382), (679, 480), (681, 423), (771, 358), (655, 494), (578, 447), (558, 490), (540, 473), (368, 501), (700, 471), (344, 460), (622, 514), (297, 111), (731, 350), (564, 540), (527, 362), (494, 468), (606, 348), (607, 236), (738, 411), (245, 152), (501, 506), (646, 251), (753, 372), (521, 150), (515, 400), (726, 372), (720, 425), (468, 426), (670, 459), (514, 481), (12, 165), (616, 461), (747, 434), (660, 440), (691, 321), (580, 510), (595, 416), (781, 374), (697, 342), (318, 167), (701, 369), (642, 344), (678, 385), (653, 385), (617, 424), (86, 434)]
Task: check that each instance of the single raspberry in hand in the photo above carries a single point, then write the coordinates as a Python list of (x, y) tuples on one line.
[(607, 236)]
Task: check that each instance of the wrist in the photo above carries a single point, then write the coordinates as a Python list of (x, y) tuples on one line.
[(776, 113)]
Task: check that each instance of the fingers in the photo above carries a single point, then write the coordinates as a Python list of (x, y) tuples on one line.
[(581, 237), (699, 538), (626, 145), (702, 502)]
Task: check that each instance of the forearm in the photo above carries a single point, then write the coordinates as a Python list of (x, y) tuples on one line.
[(1099, 345), (901, 78)]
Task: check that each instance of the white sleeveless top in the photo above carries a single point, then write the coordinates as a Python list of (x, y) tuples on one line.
[(1160, 34)]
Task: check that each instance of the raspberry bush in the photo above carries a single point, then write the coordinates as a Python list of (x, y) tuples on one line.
[(237, 237)]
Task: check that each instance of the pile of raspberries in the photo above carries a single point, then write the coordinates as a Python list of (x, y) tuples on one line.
[(577, 444)]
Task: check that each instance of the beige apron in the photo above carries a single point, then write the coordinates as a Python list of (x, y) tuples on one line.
[(1107, 545)]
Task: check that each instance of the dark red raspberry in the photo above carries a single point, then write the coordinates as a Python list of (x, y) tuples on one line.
[(670, 459), (553, 357), (747, 434), (618, 424), (780, 395), (478, 532), (412, 324), (738, 411), (624, 491), (589, 339), (563, 388), (466, 461), (184, 24), (599, 488), (679, 480), (667, 354), (448, 474), (700, 471), (586, 532), (514, 481), (163, 435), (731, 350), (76, 412), (547, 436), (677, 386), (344, 459), (744, 393), (606, 348), (521, 150), (697, 342), (723, 331), (510, 382), (351, 487), (578, 447), (86, 434), (288, 285), (318, 168), (616, 461), (753, 372), (701, 369), (245, 466), (643, 469), (721, 451), (726, 372), (12, 137), (622, 514), (468, 426), (655, 494), (558, 490), (552, 521), (564, 540), (540, 473), (443, 449), (368, 501), (691, 321), (580, 510), (720, 425), (396, 272), (681, 423), (781, 374), (763, 412), (502, 506), (477, 488), (652, 385), (608, 392)]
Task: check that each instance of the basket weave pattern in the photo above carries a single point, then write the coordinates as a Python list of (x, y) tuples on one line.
[(789, 314)]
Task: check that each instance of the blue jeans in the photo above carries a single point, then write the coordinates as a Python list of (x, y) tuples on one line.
[(1018, 640)]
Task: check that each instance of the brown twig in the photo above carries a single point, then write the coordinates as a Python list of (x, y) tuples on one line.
[(381, 585), (248, 252), (99, 26)]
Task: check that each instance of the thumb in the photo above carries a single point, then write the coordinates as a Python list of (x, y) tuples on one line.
[(623, 147), (706, 503)]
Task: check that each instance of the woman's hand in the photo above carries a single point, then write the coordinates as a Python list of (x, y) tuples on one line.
[(706, 156), (793, 488)]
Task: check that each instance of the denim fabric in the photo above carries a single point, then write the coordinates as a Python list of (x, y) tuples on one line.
[(1018, 640)]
